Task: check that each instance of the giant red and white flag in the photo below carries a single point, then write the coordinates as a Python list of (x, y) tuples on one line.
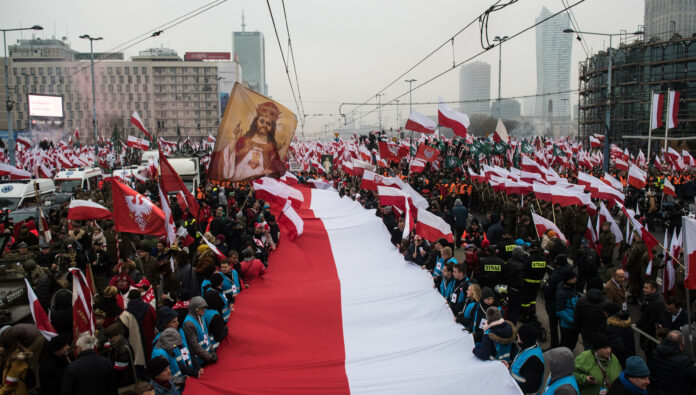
[(363, 320), (43, 324), (673, 109), (418, 122), (688, 235), (138, 143), (637, 177), (171, 183), (135, 120), (134, 213), (543, 225), (274, 191), (291, 221), (84, 210), (457, 121), (83, 314), (657, 105), (432, 228)]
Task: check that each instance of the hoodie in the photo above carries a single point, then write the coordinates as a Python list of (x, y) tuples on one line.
[(168, 339), (192, 334), (561, 364)]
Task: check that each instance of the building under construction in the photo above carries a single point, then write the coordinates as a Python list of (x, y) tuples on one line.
[(638, 69)]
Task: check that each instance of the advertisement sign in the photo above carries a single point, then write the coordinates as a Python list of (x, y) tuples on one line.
[(207, 56), (45, 106)]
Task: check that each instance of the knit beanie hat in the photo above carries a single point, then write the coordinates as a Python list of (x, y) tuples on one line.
[(486, 293), (165, 315), (599, 341), (528, 334), (612, 308), (636, 367), (157, 366)]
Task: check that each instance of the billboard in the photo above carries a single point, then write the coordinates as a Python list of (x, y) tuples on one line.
[(45, 106), (207, 56)]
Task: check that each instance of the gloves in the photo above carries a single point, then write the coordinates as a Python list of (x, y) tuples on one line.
[(213, 358)]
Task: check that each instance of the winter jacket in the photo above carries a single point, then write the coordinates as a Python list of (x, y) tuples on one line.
[(589, 315), (615, 293), (671, 371), (621, 386), (566, 300), (620, 336), (514, 270), (191, 332), (586, 364), (561, 366), (650, 313), (89, 374), (61, 314), (673, 324), (134, 338), (495, 233), (145, 314), (461, 214), (497, 341), (51, 371), (550, 289)]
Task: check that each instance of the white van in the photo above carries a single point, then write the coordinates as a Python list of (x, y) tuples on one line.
[(188, 168), (83, 178), (20, 193)]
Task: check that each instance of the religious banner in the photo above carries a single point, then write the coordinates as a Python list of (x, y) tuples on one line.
[(253, 138)]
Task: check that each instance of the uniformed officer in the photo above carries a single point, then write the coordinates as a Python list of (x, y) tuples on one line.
[(491, 269)]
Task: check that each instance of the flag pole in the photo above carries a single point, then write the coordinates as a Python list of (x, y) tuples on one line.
[(652, 93), (669, 106), (690, 340)]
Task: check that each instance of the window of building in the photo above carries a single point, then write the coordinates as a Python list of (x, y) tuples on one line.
[(110, 70), (111, 88), (127, 70), (137, 79), (41, 71), (50, 89), (118, 71), (144, 70), (60, 88), (120, 79), (147, 79)]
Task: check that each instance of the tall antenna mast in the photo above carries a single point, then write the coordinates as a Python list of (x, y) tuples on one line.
[(243, 24)]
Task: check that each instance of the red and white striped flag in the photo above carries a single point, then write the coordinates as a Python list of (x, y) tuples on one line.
[(688, 235), (657, 105), (135, 120), (212, 247), (543, 225), (168, 218), (83, 210), (418, 122), (24, 142), (637, 177), (452, 119), (138, 143), (673, 109), (292, 222), (83, 315), (77, 134), (647, 237), (43, 324), (668, 188), (432, 228)]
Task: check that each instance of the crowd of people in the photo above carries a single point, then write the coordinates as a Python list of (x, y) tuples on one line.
[(161, 310)]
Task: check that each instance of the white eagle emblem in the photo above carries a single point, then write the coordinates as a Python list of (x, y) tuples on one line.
[(140, 209), (394, 150), (428, 153), (378, 179)]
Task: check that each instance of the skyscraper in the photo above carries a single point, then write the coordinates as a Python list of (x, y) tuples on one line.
[(666, 17), (250, 48), (553, 48), (475, 84)]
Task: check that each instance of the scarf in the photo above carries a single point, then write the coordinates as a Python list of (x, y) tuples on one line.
[(629, 385)]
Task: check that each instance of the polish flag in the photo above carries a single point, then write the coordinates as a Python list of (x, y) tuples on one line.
[(85, 210), (77, 134), (351, 332), (25, 142), (620, 164), (637, 177), (669, 188), (673, 109), (43, 324), (501, 133), (135, 120), (531, 166), (605, 216), (168, 218), (645, 235), (83, 315), (359, 166), (392, 196), (670, 274), (212, 247), (292, 222), (171, 182), (590, 235), (134, 213), (594, 142), (688, 235), (138, 143), (452, 119), (428, 154), (272, 190), (13, 172), (542, 225), (657, 106), (420, 123), (613, 182), (416, 166), (688, 159), (211, 139), (289, 178), (432, 228)]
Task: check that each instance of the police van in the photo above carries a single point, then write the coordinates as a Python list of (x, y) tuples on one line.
[(79, 178), (20, 193)]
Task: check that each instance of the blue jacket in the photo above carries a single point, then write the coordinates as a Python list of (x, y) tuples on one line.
[(460, 214), (496, 343), (566, 299)]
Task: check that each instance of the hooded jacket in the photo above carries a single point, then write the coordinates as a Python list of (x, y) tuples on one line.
[(589, 314), (671, 371), (620, 336), (586, 365), (561, 364), (566, 300), (192, 333), (502, 334)]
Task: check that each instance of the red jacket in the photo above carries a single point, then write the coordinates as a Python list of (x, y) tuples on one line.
[(251, 269)]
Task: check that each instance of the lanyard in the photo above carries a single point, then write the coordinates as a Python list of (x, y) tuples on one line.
[(601, 368)]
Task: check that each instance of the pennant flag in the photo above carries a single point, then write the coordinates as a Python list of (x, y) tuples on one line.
[(43, 324), (138, 143), (420, 123), (135, 120), (688, 235), (134, 213), (673, 109), (657, 106), (82, 210), (637, 177), (172, 183), (83, 315), (543, 225), (452, 119), (291, 221), (432, 227), (501, 133)]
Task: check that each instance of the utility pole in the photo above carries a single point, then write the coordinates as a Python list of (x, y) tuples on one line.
[(94, 98), (379, 109), (500, 41)]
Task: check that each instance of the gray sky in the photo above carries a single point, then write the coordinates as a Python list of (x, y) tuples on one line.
[(346, 51)]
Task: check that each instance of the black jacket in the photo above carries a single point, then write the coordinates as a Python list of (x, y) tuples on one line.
[(89, 374), (589, 314), (51, 370), (666, 320), (650, 313), (620, 336), (671, 371)]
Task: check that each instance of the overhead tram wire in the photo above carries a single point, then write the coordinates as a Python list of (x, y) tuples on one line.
[(448, 41), (576, 26), (285, 63), (476, 55), (294, 65), (152, 33)]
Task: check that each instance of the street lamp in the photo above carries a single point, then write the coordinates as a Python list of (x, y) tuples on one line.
[(379, 109), (607, 119), (410, 105), (9, 103), (94, 99), (500, 41)]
